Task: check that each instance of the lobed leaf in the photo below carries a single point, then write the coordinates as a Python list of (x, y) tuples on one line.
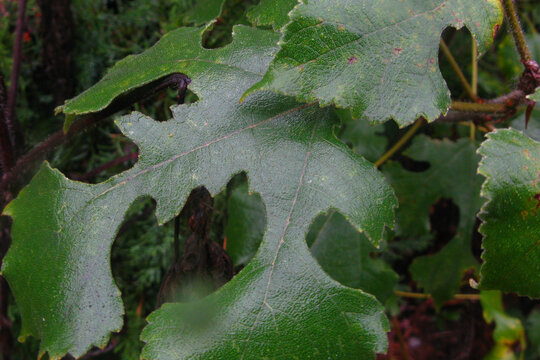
[(451, 174), (378, 58), (342, 251), (282, 304), (511, 225)]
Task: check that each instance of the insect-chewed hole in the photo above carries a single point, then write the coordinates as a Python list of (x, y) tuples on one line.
[(348, 256), (444, 222), (213, 239), (140, 256), (158, 106), (221, 33), (459, 42), (243, 222), (96, 155), (413, 165)]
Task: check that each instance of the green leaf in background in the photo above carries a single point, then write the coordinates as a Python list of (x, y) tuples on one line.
[(508, 59), (246, 225), (536, 96), (345, 254), (511, 223), (532, 326), (508, 330), (379, 58), (533, 128), (203, 11), (281, 303), (271, 12), (452, 174), (365, 139)]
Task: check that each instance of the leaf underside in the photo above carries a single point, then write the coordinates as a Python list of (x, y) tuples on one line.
[(281, 304), (511, 223), (378, 58)]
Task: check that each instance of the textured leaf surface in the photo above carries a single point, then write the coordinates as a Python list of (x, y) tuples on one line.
[(511, 223), (452, 174), (379, 58), (282, 304), (271, 12), (508, 330), (342, 252)]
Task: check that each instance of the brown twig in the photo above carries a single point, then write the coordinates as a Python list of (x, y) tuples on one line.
[(412, 295), (6, 146), (401, 340), (478, 107)]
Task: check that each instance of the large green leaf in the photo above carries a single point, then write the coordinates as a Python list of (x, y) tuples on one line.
[(379, 58), (452, 174), (511, 225), (282, 303), (342, 251)]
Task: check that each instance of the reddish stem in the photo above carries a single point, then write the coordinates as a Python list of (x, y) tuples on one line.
[(17, 57), (6, 148)]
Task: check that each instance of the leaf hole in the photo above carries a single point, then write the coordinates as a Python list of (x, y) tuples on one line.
[(244, 222), (220, 34), (165, 93), (444, 222), (217, 237), (413, 165), (348, 256), (459, 43), (139, 257)]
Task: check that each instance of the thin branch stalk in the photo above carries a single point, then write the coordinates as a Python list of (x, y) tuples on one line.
[(457, 70), (401, 142), (517, 31), (6, 146), (401, 340), (412, 295), (17, 59)]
